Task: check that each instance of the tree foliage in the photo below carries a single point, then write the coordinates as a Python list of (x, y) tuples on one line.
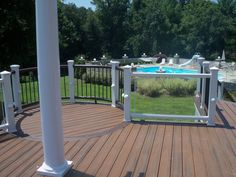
[(116, 27)]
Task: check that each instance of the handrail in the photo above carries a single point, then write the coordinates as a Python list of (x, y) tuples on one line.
[(91, 66), (176, 75)]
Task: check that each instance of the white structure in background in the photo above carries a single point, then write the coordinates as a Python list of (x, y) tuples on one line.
[(194, 58), (49, 88), (163, 61), (176, 57), (104, 57), (143, 55), (125, 56), (223, 55)]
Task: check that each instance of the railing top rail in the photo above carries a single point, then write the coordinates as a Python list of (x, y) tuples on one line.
[(119, 68), (63, 66), (176, 75), (28, 69), (91, 66)]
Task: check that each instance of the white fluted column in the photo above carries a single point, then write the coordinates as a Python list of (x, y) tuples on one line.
[(49, 87)]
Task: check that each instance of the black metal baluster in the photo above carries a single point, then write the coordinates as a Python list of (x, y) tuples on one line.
[(30, 94), (26, 89), (103, 82), (99, 70), (34, 88)]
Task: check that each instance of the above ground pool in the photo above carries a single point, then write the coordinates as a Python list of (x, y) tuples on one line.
[(166, 69)]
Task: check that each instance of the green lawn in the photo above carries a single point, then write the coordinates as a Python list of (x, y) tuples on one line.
[(162, 105), (30, 93)]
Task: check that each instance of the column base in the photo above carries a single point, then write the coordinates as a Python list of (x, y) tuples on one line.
[(60, 171)]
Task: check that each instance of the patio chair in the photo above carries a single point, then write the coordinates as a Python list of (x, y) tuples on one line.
[(163, 61), (170, 62)]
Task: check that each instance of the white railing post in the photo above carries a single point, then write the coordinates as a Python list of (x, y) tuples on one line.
[(115, 82), (212, 96), (16, 87), (8, 101), (71, 75), (200, 61), (221, 90), (206, 65), (127, 93), (49, 89)]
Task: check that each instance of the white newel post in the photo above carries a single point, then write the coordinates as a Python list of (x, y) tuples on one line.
[(200, 61), (221, 90), (8, 101), (71, 80), (212, 96), (127, 93), (206, 65), (115, 82), (16, 87), (49, 88)]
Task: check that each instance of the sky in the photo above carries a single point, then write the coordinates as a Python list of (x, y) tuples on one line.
[(86, 3), (79, 3)]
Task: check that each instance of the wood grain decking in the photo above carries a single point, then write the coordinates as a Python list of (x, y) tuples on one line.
[(100, 144)]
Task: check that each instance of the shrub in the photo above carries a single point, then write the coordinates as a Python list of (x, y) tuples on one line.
[(173, 87), (79, 71), (100, 78)]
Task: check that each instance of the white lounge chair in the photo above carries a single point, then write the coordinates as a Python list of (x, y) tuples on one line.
[(163, 61), (170, 62)]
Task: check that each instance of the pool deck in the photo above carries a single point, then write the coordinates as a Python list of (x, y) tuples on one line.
[(100, 144)]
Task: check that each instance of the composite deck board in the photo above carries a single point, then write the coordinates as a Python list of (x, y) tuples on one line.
[(113, 154), (100, 144), (99, 159), (165, 163), (188, 163), (119, 164), (211, 162), (142, 162), (177, 156), (133, 157), (198, 160), (155, 156)]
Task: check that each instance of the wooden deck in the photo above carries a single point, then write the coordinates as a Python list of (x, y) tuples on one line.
[(113, 148)]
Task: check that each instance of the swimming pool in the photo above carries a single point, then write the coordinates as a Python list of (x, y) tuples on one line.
[(166, 69)]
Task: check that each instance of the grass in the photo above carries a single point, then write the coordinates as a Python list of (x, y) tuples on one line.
[(162, 105), (30, 93)]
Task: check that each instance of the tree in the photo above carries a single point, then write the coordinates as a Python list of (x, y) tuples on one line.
[(228, 9), (113, 22), (71, 32), (203, 29), (17, 33)]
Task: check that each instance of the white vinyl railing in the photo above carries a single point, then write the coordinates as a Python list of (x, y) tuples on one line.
[(128, 115), (5, 83)]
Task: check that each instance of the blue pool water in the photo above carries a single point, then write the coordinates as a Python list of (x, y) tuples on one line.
[(172, 70), (167, 70)]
